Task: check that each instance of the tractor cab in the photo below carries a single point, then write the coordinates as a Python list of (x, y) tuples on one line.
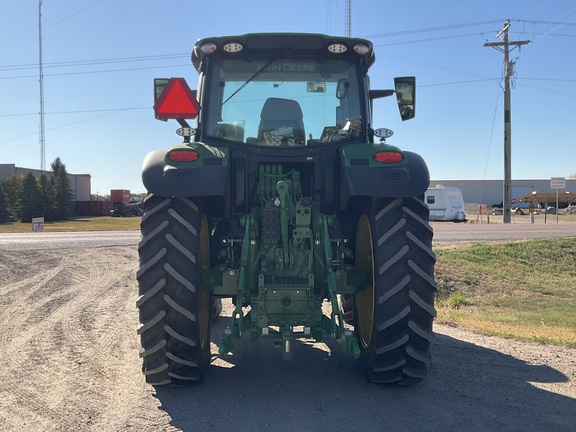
[(273, 90)]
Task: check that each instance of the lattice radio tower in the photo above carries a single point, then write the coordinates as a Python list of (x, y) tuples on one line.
[(41, 66), (348, 20)]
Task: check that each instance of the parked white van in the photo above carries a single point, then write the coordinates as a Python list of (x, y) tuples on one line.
[(445, 204)]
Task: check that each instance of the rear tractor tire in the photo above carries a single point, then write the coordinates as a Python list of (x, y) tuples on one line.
[(393, 317), (175, 314)]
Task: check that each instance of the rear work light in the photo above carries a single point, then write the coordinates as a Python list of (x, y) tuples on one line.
[(233, 47), (183, 155), (388, 157), (337, 48)]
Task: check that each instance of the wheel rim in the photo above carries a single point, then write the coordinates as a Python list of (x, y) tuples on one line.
[(365, 299), (204, 296)]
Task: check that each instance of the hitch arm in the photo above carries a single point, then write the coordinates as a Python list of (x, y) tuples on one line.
[(240, 322), (335, 325)]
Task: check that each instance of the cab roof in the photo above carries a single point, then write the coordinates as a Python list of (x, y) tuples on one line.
[(285, 44)]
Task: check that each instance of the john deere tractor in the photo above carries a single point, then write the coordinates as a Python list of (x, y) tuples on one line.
[(285, 198)]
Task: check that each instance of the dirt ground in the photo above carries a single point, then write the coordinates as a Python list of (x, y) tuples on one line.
[(70, 363)]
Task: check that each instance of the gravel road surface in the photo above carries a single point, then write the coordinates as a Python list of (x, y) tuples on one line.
[(70, 363)]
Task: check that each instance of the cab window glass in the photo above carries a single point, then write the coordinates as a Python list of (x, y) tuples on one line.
[(283, 102)]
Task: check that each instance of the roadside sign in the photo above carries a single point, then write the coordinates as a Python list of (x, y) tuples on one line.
[(557, 183), (38, 224)]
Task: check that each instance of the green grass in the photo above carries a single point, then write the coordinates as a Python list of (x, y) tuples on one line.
[(524, 290), (95, 223)]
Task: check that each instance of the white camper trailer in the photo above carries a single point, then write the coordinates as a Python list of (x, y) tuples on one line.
[(445, 204)]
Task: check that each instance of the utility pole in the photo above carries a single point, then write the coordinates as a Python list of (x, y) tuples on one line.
[(504, 47)]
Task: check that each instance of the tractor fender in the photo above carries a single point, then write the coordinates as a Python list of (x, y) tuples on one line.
[(407, 180), (194, 180)]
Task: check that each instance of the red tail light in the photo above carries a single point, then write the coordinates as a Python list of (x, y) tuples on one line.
[(183, 156), (389, 157)]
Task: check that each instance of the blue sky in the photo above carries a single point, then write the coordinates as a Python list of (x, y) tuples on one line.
[(101, 56)]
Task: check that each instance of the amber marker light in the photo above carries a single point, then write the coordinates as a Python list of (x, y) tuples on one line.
[(208, 47)]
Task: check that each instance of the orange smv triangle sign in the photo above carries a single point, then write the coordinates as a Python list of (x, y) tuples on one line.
[(177, 101)]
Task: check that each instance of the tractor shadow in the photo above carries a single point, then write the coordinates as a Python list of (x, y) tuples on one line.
[(468, 387)]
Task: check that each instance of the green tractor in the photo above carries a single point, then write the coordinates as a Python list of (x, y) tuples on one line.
[(284, 198)]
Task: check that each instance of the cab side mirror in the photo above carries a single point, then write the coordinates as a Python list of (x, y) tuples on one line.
[(159, 86), (405, 88)]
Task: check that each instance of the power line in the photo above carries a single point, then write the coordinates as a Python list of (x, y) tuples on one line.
[(432, 29), (492, 133), (161, 57), (563, 23), (141, 106), (548, 91), (77, 111), (74, 13), (430, 39), (185, 55), (456, 82), (96, 61), (464, 25), (436, 66), (549, 79), (96, 72), (551, 34), (459, 36)]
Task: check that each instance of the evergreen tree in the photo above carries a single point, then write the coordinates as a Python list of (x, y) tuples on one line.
[(48, 203), (64, 198), (4, 207), (30, 202), (138, 197), (13, 188)]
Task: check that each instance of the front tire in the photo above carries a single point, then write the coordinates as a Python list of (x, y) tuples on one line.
[(174, 312), (394, 315)]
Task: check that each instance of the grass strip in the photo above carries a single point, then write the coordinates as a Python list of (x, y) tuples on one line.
[(95, 223), (524, 290)]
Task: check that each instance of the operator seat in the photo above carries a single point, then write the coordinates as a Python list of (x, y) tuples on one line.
[(281, 123)]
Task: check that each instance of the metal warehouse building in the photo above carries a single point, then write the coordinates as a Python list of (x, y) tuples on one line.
[(80, 183), (491, 192)]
